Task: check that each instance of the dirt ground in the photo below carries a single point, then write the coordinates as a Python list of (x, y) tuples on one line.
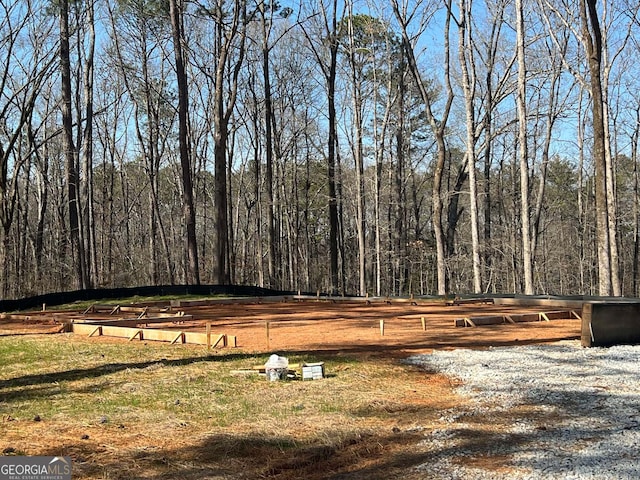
[(355, 327), (341, 326), (345, 328)]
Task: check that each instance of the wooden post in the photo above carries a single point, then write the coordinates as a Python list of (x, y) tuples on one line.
[(424, 324), (208, 335), (382, 327), (267, 332), (44, 307)]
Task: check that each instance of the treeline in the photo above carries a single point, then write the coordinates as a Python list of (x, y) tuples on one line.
[(389, 149)]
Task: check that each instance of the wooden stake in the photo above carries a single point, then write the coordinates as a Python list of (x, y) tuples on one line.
[(180, 337), (208, 335), (424, 324), (97, 330), (138, 334), (267, 331), (221, 338), (382, 327)]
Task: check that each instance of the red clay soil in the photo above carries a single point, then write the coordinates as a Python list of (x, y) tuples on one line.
[(355, 326), (392, 450), (344, 326)]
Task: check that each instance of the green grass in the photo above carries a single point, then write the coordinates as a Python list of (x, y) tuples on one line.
[(181, 412), (59, 377)]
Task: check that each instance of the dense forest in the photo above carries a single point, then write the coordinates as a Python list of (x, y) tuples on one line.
[(346, 146)]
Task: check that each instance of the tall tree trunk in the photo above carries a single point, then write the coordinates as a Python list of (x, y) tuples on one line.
[(379, 132), (357, 104), (592, 37), (468, 86), (87, 155), (399, 225), (635, 140), (438, 127), (71, 154), (192, 267), (332, 155), (274, 274), (229, 38), (527, 257), (612, 225)]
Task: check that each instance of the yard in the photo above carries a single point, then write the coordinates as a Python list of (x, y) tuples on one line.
[(144, 409)]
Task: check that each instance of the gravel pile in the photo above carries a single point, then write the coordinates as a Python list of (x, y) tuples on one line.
[(563, 412)]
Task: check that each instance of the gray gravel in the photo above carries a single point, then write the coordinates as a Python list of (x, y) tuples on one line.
[(564, 412)]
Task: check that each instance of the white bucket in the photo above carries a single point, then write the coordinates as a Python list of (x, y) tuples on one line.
[(276, 368)]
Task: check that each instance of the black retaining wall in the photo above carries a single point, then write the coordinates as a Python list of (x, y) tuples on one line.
[(608, 324), (61, 298)]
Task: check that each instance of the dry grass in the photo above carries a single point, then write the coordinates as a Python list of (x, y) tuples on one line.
[(144, 410)]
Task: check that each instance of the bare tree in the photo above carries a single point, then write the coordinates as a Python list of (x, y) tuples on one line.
[(329, 44), (26, 62), (193, 268), (221, 52), (594, 37), (71, 153), (354, 56), (140, 32), (592, 40), (405, 15), (87, 109), (467, 65), (521, 100)]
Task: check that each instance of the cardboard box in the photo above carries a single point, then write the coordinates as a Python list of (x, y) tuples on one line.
[(312, 371)]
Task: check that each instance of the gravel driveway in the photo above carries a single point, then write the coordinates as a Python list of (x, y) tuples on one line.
[(561, 412)]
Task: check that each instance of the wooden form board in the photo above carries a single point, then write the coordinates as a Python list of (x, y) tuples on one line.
[(111, 309), (608, 324), (231, 300), (551, 302), (468, 301), (172, 336), (516, 318), (132, 322), (294, 298)]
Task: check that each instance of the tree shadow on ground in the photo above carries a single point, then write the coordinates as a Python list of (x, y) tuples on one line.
[(109, 368), (383, 454)]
